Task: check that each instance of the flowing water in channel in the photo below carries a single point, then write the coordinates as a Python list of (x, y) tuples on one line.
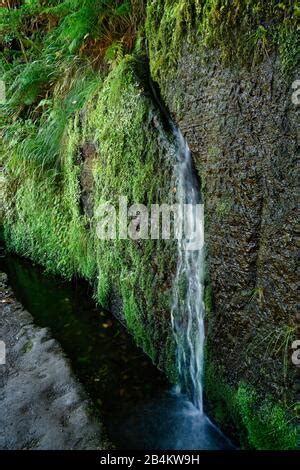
[(134, 400)]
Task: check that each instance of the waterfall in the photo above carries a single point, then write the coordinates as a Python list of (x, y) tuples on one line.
[(188, 310)]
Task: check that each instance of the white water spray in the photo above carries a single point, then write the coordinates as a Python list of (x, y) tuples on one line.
[(188, 289)]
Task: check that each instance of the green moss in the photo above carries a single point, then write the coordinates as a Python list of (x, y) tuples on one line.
[(243, 31), (288, 43), (28, 346), (261, 423), (208, 298), (223, 207), (44, 219), (130, 164)]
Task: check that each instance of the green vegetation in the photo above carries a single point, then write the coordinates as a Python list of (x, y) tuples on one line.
[(74, 78), (223, 207), (131, 164), (261, 423), (44, 43), (44, 220), (208, 298), (66, 89), (28, 346), (242, 31)]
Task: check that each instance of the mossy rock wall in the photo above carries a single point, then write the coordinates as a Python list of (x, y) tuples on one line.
[(235, 109), (76, 139), (115, 145)]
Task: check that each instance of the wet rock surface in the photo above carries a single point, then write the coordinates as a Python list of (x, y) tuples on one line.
[(240, 124), (42, 406)]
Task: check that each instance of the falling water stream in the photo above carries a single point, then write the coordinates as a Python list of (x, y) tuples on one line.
[(188, 306), (187, 312)]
